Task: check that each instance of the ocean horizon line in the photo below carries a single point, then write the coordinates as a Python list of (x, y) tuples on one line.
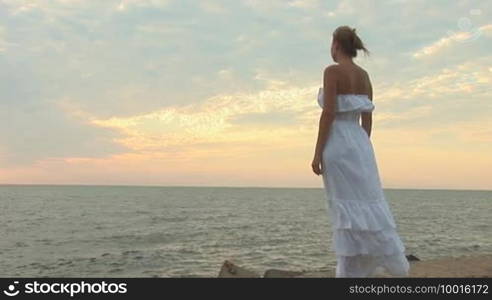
[(217, 186)]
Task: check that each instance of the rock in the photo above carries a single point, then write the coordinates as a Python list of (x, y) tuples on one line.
[(412, 258), (231, 270), (275, 273)]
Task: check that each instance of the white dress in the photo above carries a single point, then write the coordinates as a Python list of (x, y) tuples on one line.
[(365, 239)]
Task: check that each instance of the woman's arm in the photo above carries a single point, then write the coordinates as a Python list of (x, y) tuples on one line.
[(328, 113), (367, 116)]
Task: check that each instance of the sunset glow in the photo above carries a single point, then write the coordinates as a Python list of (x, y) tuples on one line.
[(222, 93)]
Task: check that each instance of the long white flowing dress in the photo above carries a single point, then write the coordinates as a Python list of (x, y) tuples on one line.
[(364, 239)]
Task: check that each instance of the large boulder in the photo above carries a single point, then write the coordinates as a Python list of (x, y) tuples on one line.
[(230, 269), (412, 257)]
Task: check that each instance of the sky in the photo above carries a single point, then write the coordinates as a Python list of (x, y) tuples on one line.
[(223, 93)]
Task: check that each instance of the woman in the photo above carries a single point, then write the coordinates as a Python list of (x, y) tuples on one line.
[(365, 240)]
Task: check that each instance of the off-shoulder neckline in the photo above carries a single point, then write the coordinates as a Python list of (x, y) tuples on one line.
[(348, 94)]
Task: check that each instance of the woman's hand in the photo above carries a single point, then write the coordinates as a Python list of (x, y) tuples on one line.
[(317, 165)]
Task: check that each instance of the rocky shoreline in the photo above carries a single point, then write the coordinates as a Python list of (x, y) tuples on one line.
[(463, 266)]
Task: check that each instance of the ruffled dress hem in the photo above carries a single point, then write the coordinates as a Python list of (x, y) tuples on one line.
[(395, 265), (365, 240)]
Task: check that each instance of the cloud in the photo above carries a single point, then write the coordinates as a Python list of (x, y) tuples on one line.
[(4, 43), (274, 119), (224, 119), (454, 38), (34, 132), (213, 6), (128, 4), (2, 39), (149, 87), (471, 79), (305, 4), (276, 5), (390, 119)]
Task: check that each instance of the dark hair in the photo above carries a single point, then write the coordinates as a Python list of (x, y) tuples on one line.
[(348, 40)]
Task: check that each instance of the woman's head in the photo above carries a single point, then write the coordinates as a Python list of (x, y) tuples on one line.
[(346, 42)]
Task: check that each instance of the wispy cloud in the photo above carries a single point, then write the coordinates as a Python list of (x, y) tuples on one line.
[(217, 121), (455, 38)]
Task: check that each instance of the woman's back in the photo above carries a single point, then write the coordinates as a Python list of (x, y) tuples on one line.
[(353, 79)]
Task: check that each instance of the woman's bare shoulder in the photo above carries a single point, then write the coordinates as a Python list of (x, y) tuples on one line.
[(331, 72), (332, 68)]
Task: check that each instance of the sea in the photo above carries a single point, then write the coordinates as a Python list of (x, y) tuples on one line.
[(156, 231)]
